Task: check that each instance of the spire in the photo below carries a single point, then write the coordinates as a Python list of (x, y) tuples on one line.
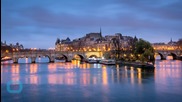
[(135, 38), (171, 40), (100, 32)]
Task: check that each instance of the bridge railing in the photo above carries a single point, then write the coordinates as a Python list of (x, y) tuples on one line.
[(178, 50)]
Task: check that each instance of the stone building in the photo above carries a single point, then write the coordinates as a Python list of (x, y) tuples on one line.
[(92, 42), (171, 45), (10, 48), (63, 45)]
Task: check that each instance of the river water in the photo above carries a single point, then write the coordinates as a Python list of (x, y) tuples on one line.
[(83, 82)]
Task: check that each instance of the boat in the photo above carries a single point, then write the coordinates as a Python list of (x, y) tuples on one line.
[(108, 62), (91, 61)]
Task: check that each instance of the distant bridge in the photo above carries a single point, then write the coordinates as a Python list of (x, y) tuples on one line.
[(176, 54), (69, 55)]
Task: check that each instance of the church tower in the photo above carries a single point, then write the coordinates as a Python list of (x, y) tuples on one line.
[(100, 32), (171, 40)]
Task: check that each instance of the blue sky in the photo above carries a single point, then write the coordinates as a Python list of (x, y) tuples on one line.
[(38, 23)]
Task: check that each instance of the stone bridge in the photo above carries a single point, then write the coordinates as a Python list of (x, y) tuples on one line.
[(69, 55), (176, 54)]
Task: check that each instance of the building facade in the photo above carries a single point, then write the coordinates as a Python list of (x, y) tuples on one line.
[(93, 42), (171, 45), (10, 47)]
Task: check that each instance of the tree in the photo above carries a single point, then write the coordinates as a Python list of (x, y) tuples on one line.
[(17, 43), (145, 50), (132, 43), (179, 43), (107, 55), (117, 45)]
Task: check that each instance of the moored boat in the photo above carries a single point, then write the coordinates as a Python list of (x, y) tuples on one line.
[(91, 61), (108, 62)]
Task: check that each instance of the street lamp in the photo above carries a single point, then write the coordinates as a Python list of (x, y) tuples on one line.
[(124, 55), (138, 55), (7, 51), (131, 55)]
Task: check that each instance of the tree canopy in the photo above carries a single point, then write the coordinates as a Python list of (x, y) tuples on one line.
[(179, 43), (145, 50)]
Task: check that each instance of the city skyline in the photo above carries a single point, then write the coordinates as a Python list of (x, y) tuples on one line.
[(38, 24)]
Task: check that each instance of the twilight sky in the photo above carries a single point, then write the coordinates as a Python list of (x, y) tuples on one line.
[(38, 23)]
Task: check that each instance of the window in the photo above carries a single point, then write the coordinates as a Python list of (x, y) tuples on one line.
[(91, 39)]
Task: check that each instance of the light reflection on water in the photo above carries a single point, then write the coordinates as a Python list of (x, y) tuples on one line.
[(99, 82)]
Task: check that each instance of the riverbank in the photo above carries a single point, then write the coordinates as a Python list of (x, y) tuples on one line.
[(137, 64), (5, 59)]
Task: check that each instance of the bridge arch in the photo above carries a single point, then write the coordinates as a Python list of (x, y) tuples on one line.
[(162, 56), (174, 56), (24, 59), (49, 57), (82, 58), (37, 60), (91, 56), (61, 56), (65, 57)]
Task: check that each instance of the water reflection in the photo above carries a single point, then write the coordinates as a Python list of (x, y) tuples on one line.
[(168, 74), (33, 79), (24, 60), (132, 75), (33, 68), (15, 70), (86, 74), (104, 75), (139, 75), (97, 81)]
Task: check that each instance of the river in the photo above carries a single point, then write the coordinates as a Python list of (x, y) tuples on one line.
[(83, 82)]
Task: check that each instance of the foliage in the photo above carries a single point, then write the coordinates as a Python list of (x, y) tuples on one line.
[(145, 49), (142, 58), (115, 51), (132, 43), (106, 55), (179, 43)]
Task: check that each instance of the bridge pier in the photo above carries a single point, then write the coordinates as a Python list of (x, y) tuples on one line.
[(179, 58), (52, 59), (163, 58), (68, 60), (15, 60), (33, 59)]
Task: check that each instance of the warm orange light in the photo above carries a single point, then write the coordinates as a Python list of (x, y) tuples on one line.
[(131, 55), (104, 75), (7, 51), (124, 55)]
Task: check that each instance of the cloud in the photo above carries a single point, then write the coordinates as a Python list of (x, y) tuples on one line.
[(61, 18)]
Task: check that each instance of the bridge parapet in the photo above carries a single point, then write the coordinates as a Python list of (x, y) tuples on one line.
[(51, 54), (176, 53)]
